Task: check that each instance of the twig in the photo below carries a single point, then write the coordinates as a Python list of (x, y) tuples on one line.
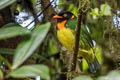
[(77, 39), (40, 13), (83, 7)]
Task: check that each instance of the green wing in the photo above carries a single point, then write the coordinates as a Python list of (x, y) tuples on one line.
[(85, 38), (71, 24), (85, 44)]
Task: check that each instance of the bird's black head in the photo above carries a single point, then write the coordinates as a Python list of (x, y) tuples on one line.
[(64, 15)]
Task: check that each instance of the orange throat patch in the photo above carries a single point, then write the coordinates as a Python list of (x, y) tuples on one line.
[(61, 25)]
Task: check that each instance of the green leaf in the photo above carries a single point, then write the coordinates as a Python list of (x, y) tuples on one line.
[(1, 74), (2, 59), (31, 71), (61, 2), (102, 78), (95, 13), (27, 47), (53, 47), (105, 10), (5, 3), (10, 24), (11, 30), (6, 51), (113, 75), (73, 9), (83, 78)]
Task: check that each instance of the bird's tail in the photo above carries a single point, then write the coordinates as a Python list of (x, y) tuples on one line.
[(94, 66)]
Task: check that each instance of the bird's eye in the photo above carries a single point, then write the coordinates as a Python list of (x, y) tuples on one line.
[(72, 16), (65, 15)]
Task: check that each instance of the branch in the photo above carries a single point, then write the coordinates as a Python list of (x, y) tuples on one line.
[(77, 39), (40, 13), (83, 7)]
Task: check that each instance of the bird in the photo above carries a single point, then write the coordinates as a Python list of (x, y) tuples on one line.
[(65, 31)]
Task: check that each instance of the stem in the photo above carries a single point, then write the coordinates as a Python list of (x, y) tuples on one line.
[(41, 13), (77, 38), (83, 7)]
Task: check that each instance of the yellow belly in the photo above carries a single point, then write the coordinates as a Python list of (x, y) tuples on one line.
[(66, 37)]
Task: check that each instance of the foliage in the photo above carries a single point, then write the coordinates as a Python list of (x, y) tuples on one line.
[(1, 74), (113, 75), (5, 3), (13, 31), (31, 71), (38, 53), (105, 10), (24, 50), (27, 47)]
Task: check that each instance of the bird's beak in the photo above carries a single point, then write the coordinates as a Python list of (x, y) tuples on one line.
[(57, 16)]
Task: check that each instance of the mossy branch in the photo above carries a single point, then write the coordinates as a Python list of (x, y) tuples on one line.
[(83, 7)]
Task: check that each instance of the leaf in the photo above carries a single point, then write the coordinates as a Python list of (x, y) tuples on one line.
[(11, 24), (5, 3), (73, 9), (6, 51), (27, 47), (2, 59), (12, 30), (113, 75), (53, 47), (61, 2), (31, 71), (83, 78), (95, 13), (102, 78), (1, 74), (105, 10)]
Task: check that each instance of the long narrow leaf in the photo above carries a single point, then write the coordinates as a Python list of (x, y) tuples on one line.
[(5, 3), (27, 47), (1, 74), (83, 77), (31, 71), (7, 51), (12, 31)]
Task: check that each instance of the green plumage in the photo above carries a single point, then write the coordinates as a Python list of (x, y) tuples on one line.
[(85, 38), (67, 37)]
